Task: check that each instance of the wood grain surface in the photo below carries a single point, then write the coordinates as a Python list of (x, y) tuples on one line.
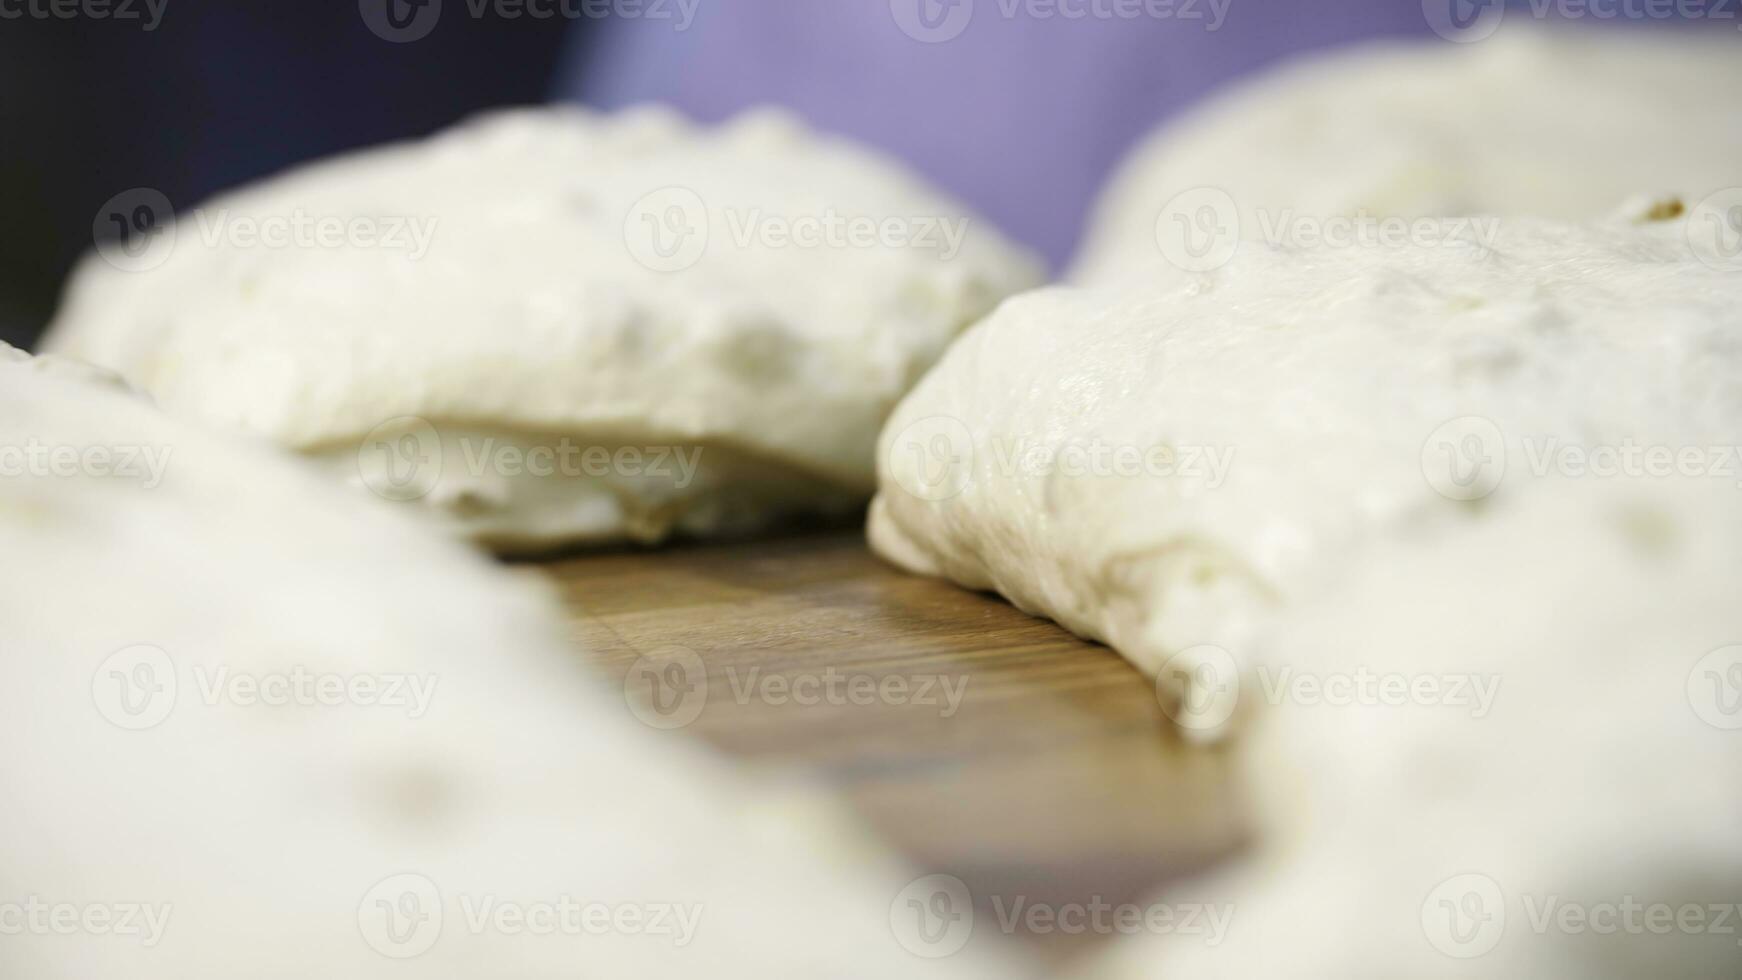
[(1053, 777)]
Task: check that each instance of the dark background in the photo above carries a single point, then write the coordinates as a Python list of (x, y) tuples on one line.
[(221, 92), (1021, 118)]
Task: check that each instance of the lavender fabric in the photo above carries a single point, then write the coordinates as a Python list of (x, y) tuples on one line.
[(1019, 113)]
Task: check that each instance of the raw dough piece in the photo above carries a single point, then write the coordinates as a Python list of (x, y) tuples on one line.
[(1427, 836), (534, 294), (1161, 465), (201, 709), (1556, 122)]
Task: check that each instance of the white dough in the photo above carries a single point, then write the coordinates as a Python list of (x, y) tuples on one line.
[(259, 833), (1163, 465), (1579, 821), (1558, 122), (506, 293)]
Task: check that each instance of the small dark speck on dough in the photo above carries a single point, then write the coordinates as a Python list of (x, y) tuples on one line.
[(1666, 210), (414, 795), (1649, 532)]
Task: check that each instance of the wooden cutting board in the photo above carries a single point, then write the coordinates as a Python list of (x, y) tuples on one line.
[(984, 743)]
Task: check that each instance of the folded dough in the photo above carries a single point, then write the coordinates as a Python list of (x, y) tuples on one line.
[(314, 740), (1554, 122), (552, 326), (1579, 823), (1163, 464)]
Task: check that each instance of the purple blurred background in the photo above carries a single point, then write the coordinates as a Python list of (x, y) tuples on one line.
[(1020, 114)]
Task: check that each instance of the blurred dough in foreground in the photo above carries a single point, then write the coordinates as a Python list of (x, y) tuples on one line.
[(1164, 464), (1550, 122), (256, 727), (552, 326), (1506, 753)]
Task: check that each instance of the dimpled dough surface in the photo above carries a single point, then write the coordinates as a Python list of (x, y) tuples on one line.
[(1558, 122), (1163, 464), (723, 303)]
